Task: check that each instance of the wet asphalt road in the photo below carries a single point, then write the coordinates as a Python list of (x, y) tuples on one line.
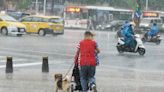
[(128, 72)]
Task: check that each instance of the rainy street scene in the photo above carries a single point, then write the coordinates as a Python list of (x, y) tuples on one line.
[(81, 46)]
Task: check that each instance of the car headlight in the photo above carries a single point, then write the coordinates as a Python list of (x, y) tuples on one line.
[(146, 25), (108, 26)]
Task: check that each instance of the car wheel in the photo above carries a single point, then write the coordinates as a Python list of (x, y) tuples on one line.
[(42, 32), (158, 42), (4, 31)]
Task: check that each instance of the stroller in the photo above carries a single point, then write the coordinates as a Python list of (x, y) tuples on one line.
[(76, 84)]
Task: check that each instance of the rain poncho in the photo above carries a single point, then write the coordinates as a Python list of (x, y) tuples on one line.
[(153, 31), (128, 36)]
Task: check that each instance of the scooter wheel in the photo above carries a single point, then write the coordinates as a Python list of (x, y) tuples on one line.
[(158, 42), (119, 50), (141, 51), (143, 40)]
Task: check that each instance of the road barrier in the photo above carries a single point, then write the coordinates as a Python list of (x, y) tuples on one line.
[(9, 65), (45, 65)]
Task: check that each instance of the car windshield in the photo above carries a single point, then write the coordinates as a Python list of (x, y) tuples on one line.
[(8, 18)]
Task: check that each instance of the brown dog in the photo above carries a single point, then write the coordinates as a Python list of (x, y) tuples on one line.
[(62, 84)]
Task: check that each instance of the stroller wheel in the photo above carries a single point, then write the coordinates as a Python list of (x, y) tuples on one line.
[(72, 88)]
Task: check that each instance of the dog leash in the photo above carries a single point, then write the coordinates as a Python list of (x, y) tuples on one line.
[(68, 70)]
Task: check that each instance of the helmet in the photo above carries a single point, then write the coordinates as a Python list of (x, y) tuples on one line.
[(132, 24), (154, 24), (126, 21)]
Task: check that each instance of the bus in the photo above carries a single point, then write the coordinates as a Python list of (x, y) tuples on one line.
[(81, 16), (75, 17)]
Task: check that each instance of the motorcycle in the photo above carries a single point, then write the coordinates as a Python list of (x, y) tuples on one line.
[(156, 39), (121, 47)]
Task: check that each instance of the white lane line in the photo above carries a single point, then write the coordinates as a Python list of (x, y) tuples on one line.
[(41, 52), (14, 60), (130, 69), (23, 65), (9, 53)]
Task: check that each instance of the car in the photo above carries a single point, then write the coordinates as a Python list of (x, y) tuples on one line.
[(9, 25), (113, 25), (43, 25)]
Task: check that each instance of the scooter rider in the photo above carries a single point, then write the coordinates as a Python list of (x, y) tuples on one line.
[(153, 31), (129, 36), (120, 32)]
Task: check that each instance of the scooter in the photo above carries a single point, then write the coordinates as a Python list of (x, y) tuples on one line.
[(156, 39), (121, 47)]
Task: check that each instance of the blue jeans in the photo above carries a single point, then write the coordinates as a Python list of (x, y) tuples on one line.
[(87, 77)]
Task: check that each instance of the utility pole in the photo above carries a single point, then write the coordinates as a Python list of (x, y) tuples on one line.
[(52, 6), (45, 4), (36, 6), (147, 2)]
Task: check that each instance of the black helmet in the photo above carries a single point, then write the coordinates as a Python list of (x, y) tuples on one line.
[(154, 24)]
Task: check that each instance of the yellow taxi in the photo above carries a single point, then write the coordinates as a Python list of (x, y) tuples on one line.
[(10, 26), (43, 25)]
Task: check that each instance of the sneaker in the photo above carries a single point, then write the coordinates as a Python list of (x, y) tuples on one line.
[(94, 88)]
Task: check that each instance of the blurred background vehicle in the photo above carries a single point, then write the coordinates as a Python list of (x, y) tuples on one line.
[(150, 17), (112, 26), (146, 23), (43, 25), (9, 25)]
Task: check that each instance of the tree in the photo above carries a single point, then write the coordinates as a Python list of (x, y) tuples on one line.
[(22, 4)]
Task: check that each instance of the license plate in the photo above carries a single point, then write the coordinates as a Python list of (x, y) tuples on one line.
[(21, 30)]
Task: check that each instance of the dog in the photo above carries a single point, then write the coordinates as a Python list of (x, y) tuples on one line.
[(62, 84)]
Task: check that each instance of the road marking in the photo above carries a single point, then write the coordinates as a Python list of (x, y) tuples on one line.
[(130, 69), (14, 60), (23, 65), (41, 52)]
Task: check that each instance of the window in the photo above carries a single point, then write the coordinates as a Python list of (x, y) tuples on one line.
[(26, 19), (36, 19), (44, 20), (8, 18)]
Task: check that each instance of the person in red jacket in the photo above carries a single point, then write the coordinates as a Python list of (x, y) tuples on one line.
[(85, 57)]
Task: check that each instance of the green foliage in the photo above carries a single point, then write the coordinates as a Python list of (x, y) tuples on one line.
[(22, 4)]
